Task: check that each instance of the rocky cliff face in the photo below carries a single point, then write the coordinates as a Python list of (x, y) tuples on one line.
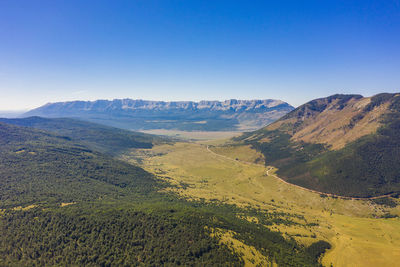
[(182, 115), (335, 121)]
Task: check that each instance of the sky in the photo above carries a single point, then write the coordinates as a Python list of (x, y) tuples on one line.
[(167, 50)]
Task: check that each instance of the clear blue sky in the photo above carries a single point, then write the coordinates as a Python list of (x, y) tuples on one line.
[(192, 50)]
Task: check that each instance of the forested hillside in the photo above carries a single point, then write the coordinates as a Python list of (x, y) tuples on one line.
[(63, 203), (344, 144), (96, 136), (40, 167)]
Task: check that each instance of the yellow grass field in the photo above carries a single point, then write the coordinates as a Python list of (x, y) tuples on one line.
[(357, 237), (193, 135), (249, 254)]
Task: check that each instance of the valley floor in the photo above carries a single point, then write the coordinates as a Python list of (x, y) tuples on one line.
[(353, 227), (193, 135)]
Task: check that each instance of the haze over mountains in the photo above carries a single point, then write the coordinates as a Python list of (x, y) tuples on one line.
[(180, 115)]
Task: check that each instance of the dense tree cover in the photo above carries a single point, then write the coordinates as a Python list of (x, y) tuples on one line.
[(38, 167), (151, 233), (118, 217), (108, 238), (318, 248), (95, 136), (369, 166)]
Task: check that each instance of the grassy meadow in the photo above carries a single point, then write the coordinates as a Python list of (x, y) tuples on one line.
[(354, 228), (194, 135)]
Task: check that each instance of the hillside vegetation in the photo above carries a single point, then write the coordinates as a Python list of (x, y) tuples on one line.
[(63, 203), (344, 144), (40, 167), (356, 229), (96, 136)]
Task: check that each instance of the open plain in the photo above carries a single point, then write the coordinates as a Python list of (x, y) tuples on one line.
[(357, 229)]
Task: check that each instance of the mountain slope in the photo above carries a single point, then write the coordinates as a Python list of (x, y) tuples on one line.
[(56, 209), (38, 167), (62, 203), (343, 144), (98, 137), (181, 115)]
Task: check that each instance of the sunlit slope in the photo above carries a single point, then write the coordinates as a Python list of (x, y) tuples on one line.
[(346, 224), (364, 242), (344, 144)]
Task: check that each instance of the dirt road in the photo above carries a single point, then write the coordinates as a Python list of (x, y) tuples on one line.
[(300, 187)]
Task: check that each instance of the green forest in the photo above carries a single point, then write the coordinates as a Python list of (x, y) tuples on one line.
[(99, 137), (64, 203)]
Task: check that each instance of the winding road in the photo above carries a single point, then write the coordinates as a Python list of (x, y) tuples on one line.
[(300, 187)]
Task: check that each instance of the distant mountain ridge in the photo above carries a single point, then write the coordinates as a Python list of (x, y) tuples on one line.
[(138, 104), (181, 115)]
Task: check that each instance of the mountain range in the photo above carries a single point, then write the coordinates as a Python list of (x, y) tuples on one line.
[(180, 115)]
